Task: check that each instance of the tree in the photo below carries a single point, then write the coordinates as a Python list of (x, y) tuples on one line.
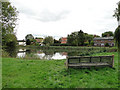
[(117, 12), (81, 38), (48, 40), (28, 42), (56, 41), (117, 36), (72, 39), (117, 31), (107, 45), (8, 22), (11, 40), (108, 33), (89, 38), (29, 38), (78, 38)]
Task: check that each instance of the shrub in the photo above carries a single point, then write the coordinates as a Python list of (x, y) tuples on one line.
[(10, 41), (86, 43), (107, 45)]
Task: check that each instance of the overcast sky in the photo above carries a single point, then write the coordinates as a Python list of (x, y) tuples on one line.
[(58, 18)]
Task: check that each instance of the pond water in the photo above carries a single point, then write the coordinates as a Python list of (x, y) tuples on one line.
[(50, 54), (41, 54)]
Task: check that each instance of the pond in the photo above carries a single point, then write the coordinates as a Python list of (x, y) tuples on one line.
[(41, 54), (51, 54)]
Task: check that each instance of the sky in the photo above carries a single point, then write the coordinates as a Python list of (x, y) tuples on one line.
[(58, 18)]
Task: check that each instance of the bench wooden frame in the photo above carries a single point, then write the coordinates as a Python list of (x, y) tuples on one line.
[(89, 61)]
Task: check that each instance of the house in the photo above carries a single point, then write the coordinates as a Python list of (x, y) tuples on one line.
[(102, 41), (21, 42), (63, 40), (39, 40)]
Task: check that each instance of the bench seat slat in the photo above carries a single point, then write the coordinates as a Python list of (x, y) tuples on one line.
[(88, 64)]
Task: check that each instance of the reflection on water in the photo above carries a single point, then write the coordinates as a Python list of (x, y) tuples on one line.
[(49, 54), (41, 54)]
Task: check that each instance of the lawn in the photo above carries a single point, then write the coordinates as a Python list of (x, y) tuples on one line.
[(19, 73)]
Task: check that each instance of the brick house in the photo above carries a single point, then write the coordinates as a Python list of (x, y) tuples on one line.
[(101, 41), (39, 40), (63, 40)]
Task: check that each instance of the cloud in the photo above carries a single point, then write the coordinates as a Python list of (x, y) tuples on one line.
[(43, 14), (48, 16)]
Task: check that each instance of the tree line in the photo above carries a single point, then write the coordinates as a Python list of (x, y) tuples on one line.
[(78, 38), (9, 39)]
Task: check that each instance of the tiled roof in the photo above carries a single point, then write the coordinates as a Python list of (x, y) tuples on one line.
[(102, 38)]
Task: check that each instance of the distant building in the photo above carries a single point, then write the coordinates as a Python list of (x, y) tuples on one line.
[(63, 40), (101, 41), (39, 40), (21, 42)]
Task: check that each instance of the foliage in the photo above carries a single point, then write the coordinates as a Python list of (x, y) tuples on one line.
[(108, 33), (72, 39), (96, 36), (117, 36), (81, 38), (8, 22), (86, 43), (28, 42), (117, 12), (29, 38), (48, 40), (56, 41), (78, 38), (10, 40), (107, 45), (92, 43), (89, 38)]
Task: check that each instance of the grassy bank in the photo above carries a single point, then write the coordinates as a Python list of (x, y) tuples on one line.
[(18, 73), (68, 47)]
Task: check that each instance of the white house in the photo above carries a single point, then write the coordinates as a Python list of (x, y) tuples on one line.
[(22, 42)]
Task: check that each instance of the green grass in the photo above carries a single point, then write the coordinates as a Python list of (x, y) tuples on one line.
[(18, 73)]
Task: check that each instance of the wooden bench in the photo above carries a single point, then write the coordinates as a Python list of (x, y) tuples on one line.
[(89, 61)]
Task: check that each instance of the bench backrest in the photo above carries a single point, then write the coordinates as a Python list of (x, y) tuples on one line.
[(91, 59)]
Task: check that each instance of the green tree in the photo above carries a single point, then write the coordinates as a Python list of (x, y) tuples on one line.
[(29, 38), (117, 31), (72, 39), (108, 33), (56, 41), (88, 38), (81, 38), (8, 22), (117, 36), (11, 40), (117, 12), (48, 40), (28, 42)]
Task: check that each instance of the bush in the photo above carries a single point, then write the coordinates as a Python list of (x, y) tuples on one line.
[(28, 42), (10, 41), (64, 44), (92, 43), (107, 45), (86, 43), (56, 44)]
